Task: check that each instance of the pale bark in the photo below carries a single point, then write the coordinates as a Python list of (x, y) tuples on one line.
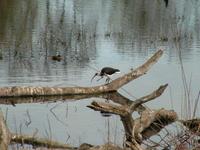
[(151, 122), (110, 108), (141, 128), (137, 129), (138, 102), (112, 86), (39, 142), (4, 134), (128, 106), (108, 146)]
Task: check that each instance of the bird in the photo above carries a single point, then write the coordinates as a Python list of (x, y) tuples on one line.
[(57, 57), (106, 72), (166, 3)]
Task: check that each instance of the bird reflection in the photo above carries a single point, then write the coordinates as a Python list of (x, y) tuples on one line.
[(166, 2), (105, 114)]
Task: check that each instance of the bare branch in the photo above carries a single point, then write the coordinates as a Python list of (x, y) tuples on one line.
[(141, 70), (110, 108), (112, 86), (57, 118), (28, 122), (151, 122), (39, 142), (147, 98)]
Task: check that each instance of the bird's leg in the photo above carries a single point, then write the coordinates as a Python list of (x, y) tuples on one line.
[(107, 100), (107, 79), (100, 78)]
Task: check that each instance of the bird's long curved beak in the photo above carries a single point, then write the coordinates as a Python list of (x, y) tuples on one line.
[(93, 77)]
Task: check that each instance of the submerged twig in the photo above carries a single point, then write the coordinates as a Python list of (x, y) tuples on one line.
[(57, 118), (27, 123)]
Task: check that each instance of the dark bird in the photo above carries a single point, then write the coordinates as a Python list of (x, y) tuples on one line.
[(57, 57), (166, 3), (106, 72)]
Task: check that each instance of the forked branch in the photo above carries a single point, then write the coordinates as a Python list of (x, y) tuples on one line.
[(112, 86), (147, 98)]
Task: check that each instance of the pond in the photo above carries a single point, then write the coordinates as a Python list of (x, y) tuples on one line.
[(89, 35)]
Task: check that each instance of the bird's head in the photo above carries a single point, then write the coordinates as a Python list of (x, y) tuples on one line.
[(96, 74), (58, 54)]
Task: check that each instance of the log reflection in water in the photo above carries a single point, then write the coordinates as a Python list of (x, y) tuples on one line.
[(113, 96)]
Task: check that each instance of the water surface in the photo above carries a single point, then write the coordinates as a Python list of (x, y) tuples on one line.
[(90, 35)]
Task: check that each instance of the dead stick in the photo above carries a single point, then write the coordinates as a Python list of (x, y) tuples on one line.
[(39, 142)]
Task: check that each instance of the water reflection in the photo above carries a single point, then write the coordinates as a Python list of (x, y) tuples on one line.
[(113, 96), (31, 31), (63, 118), (94, 34), (39, 34)]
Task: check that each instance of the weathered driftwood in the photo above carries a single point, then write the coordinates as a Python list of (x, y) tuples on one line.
[(151, 122), (136, 130), (193, 125), (39, 142), (4, 134), (130, 105), (110, 108), (137, 104), (112, 86), (140, 128), (108, 146)]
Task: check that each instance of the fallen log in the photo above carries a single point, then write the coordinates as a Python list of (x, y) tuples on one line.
[(137, 130), (151, 122), (141, 127), (19, 91), (39, 142), (129, 106), (108, 146)]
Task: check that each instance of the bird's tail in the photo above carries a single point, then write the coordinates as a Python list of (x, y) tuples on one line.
[(117, 71)]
